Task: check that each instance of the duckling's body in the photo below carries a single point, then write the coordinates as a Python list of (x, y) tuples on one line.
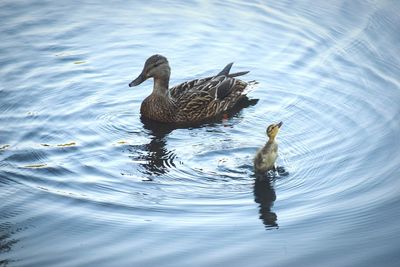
[(189, 102), (267, 155)]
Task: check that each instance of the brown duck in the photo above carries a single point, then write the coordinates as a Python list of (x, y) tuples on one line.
[(190, 102)]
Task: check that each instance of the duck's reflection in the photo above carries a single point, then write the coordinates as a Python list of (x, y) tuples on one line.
[(6, 244), (264, 194), (155, 158)]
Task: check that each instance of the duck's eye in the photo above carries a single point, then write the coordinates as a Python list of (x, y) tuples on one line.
[(157, 64)]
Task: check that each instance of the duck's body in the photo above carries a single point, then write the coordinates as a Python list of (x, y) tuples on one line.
[(192, 101), (267, 155)]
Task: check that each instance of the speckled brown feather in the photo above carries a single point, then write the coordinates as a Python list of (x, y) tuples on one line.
[(190, 102)]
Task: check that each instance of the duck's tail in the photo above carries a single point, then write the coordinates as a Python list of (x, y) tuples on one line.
[(227, 69), (237, 74)]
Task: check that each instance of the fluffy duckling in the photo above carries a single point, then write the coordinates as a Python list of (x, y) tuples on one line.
[(266, 156)]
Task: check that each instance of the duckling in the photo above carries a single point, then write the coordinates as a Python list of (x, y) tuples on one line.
[(266, 156)]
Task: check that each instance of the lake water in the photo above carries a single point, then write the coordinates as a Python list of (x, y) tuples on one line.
[(84, 182)]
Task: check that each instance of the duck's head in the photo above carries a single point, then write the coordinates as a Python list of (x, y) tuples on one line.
[(273, 129), (156, 67)]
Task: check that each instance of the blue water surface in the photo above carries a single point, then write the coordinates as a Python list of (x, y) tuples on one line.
[(85, 182)]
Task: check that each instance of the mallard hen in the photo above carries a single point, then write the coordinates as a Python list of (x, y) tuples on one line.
[(190, 102)]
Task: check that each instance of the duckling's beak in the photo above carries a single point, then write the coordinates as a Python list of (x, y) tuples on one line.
[(279, 124), (141, 78)]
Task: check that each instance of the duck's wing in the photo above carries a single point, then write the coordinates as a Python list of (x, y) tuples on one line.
[(205, 98), (218, 86), (209, 99), (183, 88)]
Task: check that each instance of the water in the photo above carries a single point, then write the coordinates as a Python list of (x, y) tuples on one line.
[(84, 182)]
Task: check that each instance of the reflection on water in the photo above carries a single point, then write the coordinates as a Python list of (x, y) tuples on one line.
[(7, 242), (80, 172), (156, 159), (264, 194)]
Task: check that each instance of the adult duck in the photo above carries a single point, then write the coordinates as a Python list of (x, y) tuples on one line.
[(192, 101)]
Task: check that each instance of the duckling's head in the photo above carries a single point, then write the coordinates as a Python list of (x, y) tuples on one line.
[(273, 129), (156, 67)]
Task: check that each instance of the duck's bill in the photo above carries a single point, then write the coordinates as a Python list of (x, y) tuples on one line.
[(138, 80), (280, 124)]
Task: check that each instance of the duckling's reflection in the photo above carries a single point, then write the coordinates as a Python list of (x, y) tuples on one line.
[(264, 194)]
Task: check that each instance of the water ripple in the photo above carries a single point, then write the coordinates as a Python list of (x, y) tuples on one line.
[(79, 164)]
